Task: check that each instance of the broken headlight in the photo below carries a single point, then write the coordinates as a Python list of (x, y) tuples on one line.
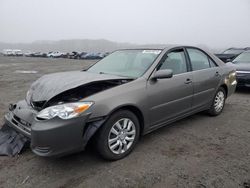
[(64, 111)]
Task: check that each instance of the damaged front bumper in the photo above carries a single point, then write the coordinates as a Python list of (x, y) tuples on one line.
[(54, 137)]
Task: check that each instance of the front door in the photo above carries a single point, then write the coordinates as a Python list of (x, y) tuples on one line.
[(170, 97)]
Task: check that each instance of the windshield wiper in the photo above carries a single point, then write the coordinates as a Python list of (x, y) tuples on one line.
[(118, 75)]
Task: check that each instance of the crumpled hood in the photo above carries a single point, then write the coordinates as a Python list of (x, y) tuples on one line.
[(242, 66), (51, 85)]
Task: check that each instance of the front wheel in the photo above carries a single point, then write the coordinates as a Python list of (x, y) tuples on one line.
[(218, 102), (118, 136)]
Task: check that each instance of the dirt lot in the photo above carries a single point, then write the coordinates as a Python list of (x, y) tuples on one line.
[(199, 151)]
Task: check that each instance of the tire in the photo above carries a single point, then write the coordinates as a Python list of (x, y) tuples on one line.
[(218, 102), (113, 143)]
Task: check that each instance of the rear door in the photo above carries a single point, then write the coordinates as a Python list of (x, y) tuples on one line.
[(206, 77), (171, 97)]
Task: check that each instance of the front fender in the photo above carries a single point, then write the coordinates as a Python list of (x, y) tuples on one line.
[(130, 94)]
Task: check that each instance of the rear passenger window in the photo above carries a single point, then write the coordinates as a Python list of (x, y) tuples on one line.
[(198, 59), (175, 61)]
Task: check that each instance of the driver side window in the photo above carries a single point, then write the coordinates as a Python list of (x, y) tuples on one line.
[(175, 61)]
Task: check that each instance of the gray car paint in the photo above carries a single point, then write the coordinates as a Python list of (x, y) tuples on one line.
[(173, 97), (51, 85), (157, 102)]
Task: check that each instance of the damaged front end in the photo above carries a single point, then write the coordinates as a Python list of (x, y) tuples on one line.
[(11, 142), (77, 93), (53, 137), (57, 136)]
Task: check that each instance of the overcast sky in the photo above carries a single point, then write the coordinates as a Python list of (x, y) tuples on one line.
[(216, 23)]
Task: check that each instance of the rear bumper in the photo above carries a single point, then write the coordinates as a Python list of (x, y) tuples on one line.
[(55, 137)]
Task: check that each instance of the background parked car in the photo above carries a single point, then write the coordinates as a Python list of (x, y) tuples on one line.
[(55, 54), (93, 56), (38, 54), (74, 55), (7, 52), (17, 53), (229, 54), (242, 63), (28, 54), (82, 55), (10, 52)]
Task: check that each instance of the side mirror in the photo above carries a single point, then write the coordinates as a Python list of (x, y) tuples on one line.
[(161, 74)]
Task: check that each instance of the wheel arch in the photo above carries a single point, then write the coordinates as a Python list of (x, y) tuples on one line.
[(224, 86), (134, 109)]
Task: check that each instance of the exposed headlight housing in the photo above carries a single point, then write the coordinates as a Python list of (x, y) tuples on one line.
[(64, 111)]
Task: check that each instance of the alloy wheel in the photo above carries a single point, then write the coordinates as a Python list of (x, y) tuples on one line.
[(219, 101), (121, 136)]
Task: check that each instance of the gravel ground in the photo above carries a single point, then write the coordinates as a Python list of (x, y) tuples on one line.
[(199, 151)]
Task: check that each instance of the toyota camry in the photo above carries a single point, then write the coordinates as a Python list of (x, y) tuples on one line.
[(122, 97)]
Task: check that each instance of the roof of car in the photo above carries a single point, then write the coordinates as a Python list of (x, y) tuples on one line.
[(160, 47)]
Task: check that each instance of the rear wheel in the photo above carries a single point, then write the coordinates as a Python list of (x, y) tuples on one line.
[(118, 136), (218, 102)]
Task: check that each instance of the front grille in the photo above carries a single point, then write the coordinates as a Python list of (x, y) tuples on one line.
[(37, 105), (24, 125)]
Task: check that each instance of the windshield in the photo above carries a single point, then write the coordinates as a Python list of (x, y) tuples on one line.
[(244, 57), (233, 51), (128, 63)]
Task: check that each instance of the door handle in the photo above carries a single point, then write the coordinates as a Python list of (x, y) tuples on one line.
[(188, 81)]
